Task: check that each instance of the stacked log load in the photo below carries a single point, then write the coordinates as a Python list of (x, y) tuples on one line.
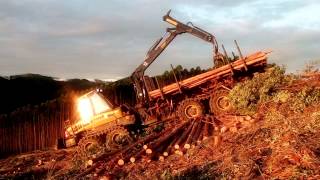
[(251, 60)]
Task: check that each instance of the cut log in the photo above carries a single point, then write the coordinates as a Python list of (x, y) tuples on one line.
[(193, 131), (89, 162), (161, 158), (259, 57), (120, 162), (198, 133), (205, 131), (129, 151), (184, 135), (132, 159), (187, 146), (178, 152), (178, 140), (216, 140), (161, 140), (176, 146), (165, 154), (148, 151)]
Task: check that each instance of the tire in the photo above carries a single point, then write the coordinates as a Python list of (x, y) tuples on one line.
[(190, 109), (118, 138), (220, 103), (89, 146)]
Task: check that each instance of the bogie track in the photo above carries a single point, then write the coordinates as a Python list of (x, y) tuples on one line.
[(106, 140)]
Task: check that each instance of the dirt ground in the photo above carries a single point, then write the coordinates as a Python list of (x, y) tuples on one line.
[(279, 147), (276, 143)]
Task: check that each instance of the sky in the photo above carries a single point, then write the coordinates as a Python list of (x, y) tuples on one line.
[(108, 39)]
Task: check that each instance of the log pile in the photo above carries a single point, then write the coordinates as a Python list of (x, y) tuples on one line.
[(251, 60), (170, 141), (176, 140), (190, 133)]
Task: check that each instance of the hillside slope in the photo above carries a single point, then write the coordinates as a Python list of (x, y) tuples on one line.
[(276, 135)]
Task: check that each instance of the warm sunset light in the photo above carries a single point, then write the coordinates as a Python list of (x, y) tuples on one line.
[(153, 89), (90, 105), (85, 110)]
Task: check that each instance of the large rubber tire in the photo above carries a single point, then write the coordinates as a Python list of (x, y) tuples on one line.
[(89, 146), (190, 109), (220, 103), (118, 138)]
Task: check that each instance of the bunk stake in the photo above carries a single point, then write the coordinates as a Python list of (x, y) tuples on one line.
[(234, 56), (175, 78), (244, 61), (161, 92), (227, 58)]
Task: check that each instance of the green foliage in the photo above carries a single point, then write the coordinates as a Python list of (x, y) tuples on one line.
[(305, 97), (315, 122), (246, 95), (309, 95), (265, 87), (181, 73), (282, 96)]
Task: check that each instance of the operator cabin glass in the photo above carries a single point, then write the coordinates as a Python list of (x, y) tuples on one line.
[(85, 110), (90, 105), (100, 105)]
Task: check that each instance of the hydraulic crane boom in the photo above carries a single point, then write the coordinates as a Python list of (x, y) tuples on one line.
[(161, 44)]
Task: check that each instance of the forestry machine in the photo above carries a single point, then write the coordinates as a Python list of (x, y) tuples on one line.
[(161, 44), (100, 123), (206, 93), (153, 109)]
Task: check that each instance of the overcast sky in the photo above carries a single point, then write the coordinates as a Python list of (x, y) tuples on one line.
[(108, 39)]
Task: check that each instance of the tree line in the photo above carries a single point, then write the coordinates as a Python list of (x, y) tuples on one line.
[(34, 108)]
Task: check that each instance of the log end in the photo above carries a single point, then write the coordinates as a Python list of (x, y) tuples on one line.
[(165, 154), (176, 146), (149, 151), (161, 158), (89, 163), (132, 159), (178, 152), (120, 162), (187, 146)]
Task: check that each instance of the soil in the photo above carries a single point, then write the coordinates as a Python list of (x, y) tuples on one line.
[(275, 143)]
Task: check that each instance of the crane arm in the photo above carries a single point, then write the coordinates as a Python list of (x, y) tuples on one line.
[(159, 46), (193, 30), (154, 52)]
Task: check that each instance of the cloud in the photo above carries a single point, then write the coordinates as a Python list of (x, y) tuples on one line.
[(109, 39)]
